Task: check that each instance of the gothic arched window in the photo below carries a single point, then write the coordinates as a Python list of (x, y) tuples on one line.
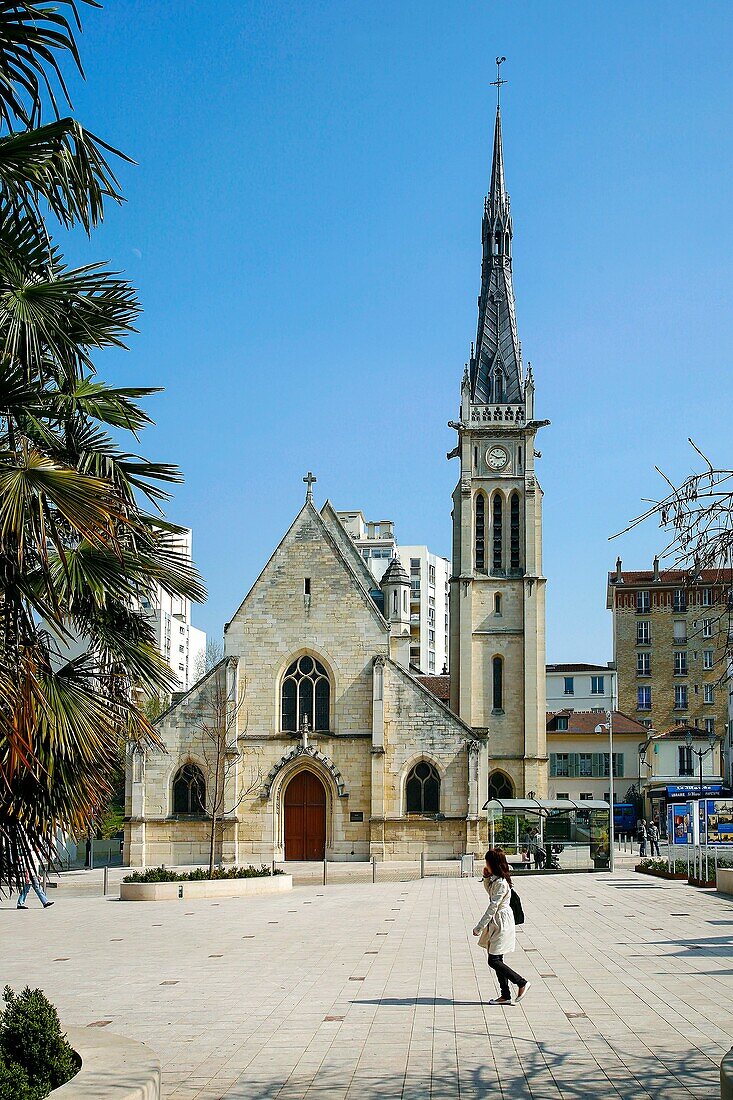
[(306, 694), (189, 790), (422, 790), (497, 682), (498, 541), (500, 786), (498, 387), (480, 538), (514, 532), (497, 603)]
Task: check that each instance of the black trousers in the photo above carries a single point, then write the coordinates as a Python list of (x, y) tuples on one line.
[(505, 974)]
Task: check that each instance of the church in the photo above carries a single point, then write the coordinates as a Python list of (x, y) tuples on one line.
[(314, 738)]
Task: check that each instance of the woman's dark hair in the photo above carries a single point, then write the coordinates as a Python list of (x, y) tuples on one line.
[(497, 864)]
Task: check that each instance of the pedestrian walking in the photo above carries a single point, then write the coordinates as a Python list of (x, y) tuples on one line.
[(31, 881), (496, 930), (641, 836), (652, 832)]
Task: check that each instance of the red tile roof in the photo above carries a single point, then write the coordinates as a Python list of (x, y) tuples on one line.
[(681, 731), (438, 685), (585, 722), (672, 576), (578, 668)]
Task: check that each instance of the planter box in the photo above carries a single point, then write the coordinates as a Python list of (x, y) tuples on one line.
[(678, 877), (205, 888), (702, 883), (112, 1068), (725, 880)]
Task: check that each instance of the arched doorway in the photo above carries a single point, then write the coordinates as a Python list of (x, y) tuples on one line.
[(305, 817)]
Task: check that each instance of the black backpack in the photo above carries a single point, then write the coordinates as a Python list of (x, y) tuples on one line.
[(515, 903)]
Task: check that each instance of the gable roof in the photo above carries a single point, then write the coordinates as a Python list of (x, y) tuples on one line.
[(311, 512), (584, 722), (439, 686), (415, 681)]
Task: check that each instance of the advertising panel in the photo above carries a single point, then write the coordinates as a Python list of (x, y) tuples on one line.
[(680, 822), (720, 820)]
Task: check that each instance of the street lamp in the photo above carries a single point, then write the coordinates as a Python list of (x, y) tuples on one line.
[(608, 724), (701, 753)]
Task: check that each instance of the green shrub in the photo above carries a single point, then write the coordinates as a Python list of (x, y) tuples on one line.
[(162, 874), (34, 1055), (14, 1082)]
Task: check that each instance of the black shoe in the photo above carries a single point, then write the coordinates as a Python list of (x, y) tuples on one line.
[(19, 906), (46, 904)]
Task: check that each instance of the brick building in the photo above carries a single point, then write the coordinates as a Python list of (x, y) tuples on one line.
[(669, 639)]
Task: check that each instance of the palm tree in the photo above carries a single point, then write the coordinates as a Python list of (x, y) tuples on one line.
[(83, 541)]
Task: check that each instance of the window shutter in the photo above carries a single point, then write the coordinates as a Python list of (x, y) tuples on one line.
[(596, 765), (553, 764), (574, 764)]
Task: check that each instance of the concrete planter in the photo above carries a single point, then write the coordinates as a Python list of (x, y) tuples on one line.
[(724, 880), (205, 888), (702, 883), (112, 1068)]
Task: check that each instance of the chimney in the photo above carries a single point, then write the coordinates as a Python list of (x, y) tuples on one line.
[(619, 578), (656, 567)]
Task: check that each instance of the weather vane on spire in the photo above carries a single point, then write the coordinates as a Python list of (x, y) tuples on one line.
[(498, 82)]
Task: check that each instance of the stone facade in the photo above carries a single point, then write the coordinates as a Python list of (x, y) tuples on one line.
[(663, 627), (310, 599), (497, 604), (327, 743)]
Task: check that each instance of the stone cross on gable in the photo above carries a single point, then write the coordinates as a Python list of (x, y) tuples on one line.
[(310, 481)]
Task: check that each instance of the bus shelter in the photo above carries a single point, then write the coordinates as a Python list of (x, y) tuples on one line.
[(554, 833)]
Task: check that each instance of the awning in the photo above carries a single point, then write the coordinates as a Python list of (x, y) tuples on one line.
[(542, 805)]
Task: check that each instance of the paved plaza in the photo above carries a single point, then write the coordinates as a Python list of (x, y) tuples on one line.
[(361, 990)]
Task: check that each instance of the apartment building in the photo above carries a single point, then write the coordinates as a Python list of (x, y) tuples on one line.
[(429, 574), (182, 645), (429, 617), (580, 687), (669, 643)]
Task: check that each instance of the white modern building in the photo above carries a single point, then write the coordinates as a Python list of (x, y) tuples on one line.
[(429, 574), (581, 687), (374, 539), (429, 599), (182, 645)]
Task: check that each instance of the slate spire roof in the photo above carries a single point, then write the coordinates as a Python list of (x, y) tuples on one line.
[(496, 372)]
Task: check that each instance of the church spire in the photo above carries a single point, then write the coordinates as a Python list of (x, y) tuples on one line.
[(496, 371)]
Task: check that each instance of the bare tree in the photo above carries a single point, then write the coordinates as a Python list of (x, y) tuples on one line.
[(221, 718), (696, 517), (208, 659)]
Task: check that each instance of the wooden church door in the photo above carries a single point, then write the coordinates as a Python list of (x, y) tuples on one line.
[(305, 817)]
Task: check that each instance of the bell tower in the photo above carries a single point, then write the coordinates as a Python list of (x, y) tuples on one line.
[(497, 595)]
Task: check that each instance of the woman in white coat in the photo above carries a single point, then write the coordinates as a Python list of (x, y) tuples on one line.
[(496, 927)]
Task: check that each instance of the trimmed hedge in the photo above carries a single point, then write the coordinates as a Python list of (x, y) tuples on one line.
[(162, 874), (34, 1055)]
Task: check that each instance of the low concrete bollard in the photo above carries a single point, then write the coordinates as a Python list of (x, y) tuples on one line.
[(724, 880), (726, 1075), (112, 1068)]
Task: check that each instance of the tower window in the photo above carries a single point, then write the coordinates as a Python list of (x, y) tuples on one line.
[(497, 603), (497, 669), (475, 458), (480, 541), (498, 555), (514, 531), (306, 586), (498, 387), (519, 458)]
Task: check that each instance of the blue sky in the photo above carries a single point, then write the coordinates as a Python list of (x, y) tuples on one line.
[(303, 225)]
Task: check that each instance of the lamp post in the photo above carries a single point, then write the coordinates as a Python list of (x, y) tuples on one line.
[(701, 753), (608, 724)]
